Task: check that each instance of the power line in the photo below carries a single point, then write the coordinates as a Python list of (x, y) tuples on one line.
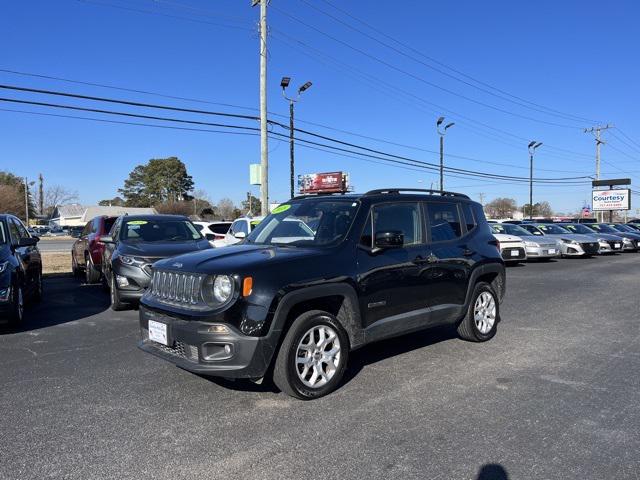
[(419, 78), (442, 72), (458, 72), (393, 158)]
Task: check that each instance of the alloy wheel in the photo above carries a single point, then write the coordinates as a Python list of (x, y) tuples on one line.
[(484, 312), (318, 356)]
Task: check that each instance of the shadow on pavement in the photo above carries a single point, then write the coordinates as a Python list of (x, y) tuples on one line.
[(65, 299), (492, 471)]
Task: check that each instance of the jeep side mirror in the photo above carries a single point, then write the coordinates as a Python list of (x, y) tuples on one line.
[(240, 235), (106, 239), (28, 241), (390, 239)]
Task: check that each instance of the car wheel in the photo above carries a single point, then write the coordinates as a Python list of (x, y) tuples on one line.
[(313, 356), (483, 315), (17, 306), (91, 274), (116, 304)]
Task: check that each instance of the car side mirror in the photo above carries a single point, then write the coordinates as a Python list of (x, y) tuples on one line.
[(106, 239), (390, 239), (28, 241), (240, 235), (210, 236)]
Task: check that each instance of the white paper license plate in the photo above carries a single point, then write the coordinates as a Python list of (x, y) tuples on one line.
[(552, 251), (158, 332), (515, 253), (616, 245)]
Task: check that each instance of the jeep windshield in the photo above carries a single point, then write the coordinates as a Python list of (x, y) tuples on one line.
[(318, 222), (159, 231)]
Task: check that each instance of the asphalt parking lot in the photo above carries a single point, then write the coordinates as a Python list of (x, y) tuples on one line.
[(555, 395)]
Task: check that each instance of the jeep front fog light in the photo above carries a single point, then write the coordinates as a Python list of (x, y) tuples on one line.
[(5, 293), (122, 281)]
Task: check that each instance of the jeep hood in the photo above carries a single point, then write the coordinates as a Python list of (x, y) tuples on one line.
[(235, 258), (161, 249)]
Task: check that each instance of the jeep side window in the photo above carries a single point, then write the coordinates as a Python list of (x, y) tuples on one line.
[(399, 217), (444, 221)]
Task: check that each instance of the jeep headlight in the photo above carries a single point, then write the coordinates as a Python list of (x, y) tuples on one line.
[(218, 290)]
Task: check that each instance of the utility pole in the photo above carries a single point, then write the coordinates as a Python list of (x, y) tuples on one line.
[(532, 150), (442, 132), (284, 83), (26, 201), (481, 195), (264, 144), (41, 194), (596, 133)]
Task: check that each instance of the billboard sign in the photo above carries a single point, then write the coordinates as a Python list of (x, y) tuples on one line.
[(618, 199), (330, 182)]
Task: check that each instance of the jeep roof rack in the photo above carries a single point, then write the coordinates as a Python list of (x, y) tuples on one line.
[(444, 193)]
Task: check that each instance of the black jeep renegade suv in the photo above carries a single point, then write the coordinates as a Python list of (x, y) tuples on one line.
[(321, 276)]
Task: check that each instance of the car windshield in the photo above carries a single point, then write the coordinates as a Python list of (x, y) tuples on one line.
[(151, 230), (600, 227), (579, 228), (623, 228), (310, 222), (510, 229), (553, 229)]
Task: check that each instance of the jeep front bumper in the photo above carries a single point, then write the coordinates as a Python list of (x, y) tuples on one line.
[(192, 346)]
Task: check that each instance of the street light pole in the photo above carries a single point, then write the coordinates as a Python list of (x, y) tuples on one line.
[(442, 132), (532, 150), (284, 83)]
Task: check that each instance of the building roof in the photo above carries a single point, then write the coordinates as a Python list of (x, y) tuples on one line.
[(96, 211), (71, 210)]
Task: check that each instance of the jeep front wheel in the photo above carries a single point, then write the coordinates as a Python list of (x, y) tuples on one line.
[(481, 321), (312, 357)]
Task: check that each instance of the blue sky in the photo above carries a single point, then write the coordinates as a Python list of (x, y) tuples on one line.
[(572, 56)]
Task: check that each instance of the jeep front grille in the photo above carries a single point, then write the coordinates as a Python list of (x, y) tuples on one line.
[(177, 288)]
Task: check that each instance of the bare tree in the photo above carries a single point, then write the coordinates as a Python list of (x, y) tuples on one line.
[(12, 200), (57, 195), (226, 209), (501, 208)]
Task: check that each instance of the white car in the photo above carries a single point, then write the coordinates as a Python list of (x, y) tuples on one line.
[(213, 231), (238, 231), (512, 248)]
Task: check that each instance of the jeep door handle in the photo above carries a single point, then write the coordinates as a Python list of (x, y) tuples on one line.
[(420, 260)]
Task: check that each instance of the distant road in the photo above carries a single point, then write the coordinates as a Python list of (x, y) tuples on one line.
[(55, 244)]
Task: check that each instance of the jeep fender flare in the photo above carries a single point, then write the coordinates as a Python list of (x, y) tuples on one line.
[(348, 315), (480, 271)]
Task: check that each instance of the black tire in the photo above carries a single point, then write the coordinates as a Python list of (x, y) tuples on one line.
[(116, 304), (468, 329), (91, 273), (285, 374), (16, 309), (74, 266), (37, 294)]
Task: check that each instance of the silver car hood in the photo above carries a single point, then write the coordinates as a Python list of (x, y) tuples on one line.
[(578, 237)]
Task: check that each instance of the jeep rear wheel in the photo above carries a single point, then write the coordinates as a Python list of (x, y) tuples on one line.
[(483, 315), (313, 356)]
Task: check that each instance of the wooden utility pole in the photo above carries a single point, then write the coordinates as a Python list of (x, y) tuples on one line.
[(264, 144)]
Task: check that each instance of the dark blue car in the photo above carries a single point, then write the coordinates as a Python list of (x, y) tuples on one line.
[(20, 269)]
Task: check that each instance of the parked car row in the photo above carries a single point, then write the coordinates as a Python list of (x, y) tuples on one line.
[(543, 241)]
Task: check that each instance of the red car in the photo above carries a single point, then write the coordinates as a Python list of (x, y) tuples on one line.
[(87, 250)]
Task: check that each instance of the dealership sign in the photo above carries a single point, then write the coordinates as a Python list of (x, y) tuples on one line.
[(619, 199), (331, 182)]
